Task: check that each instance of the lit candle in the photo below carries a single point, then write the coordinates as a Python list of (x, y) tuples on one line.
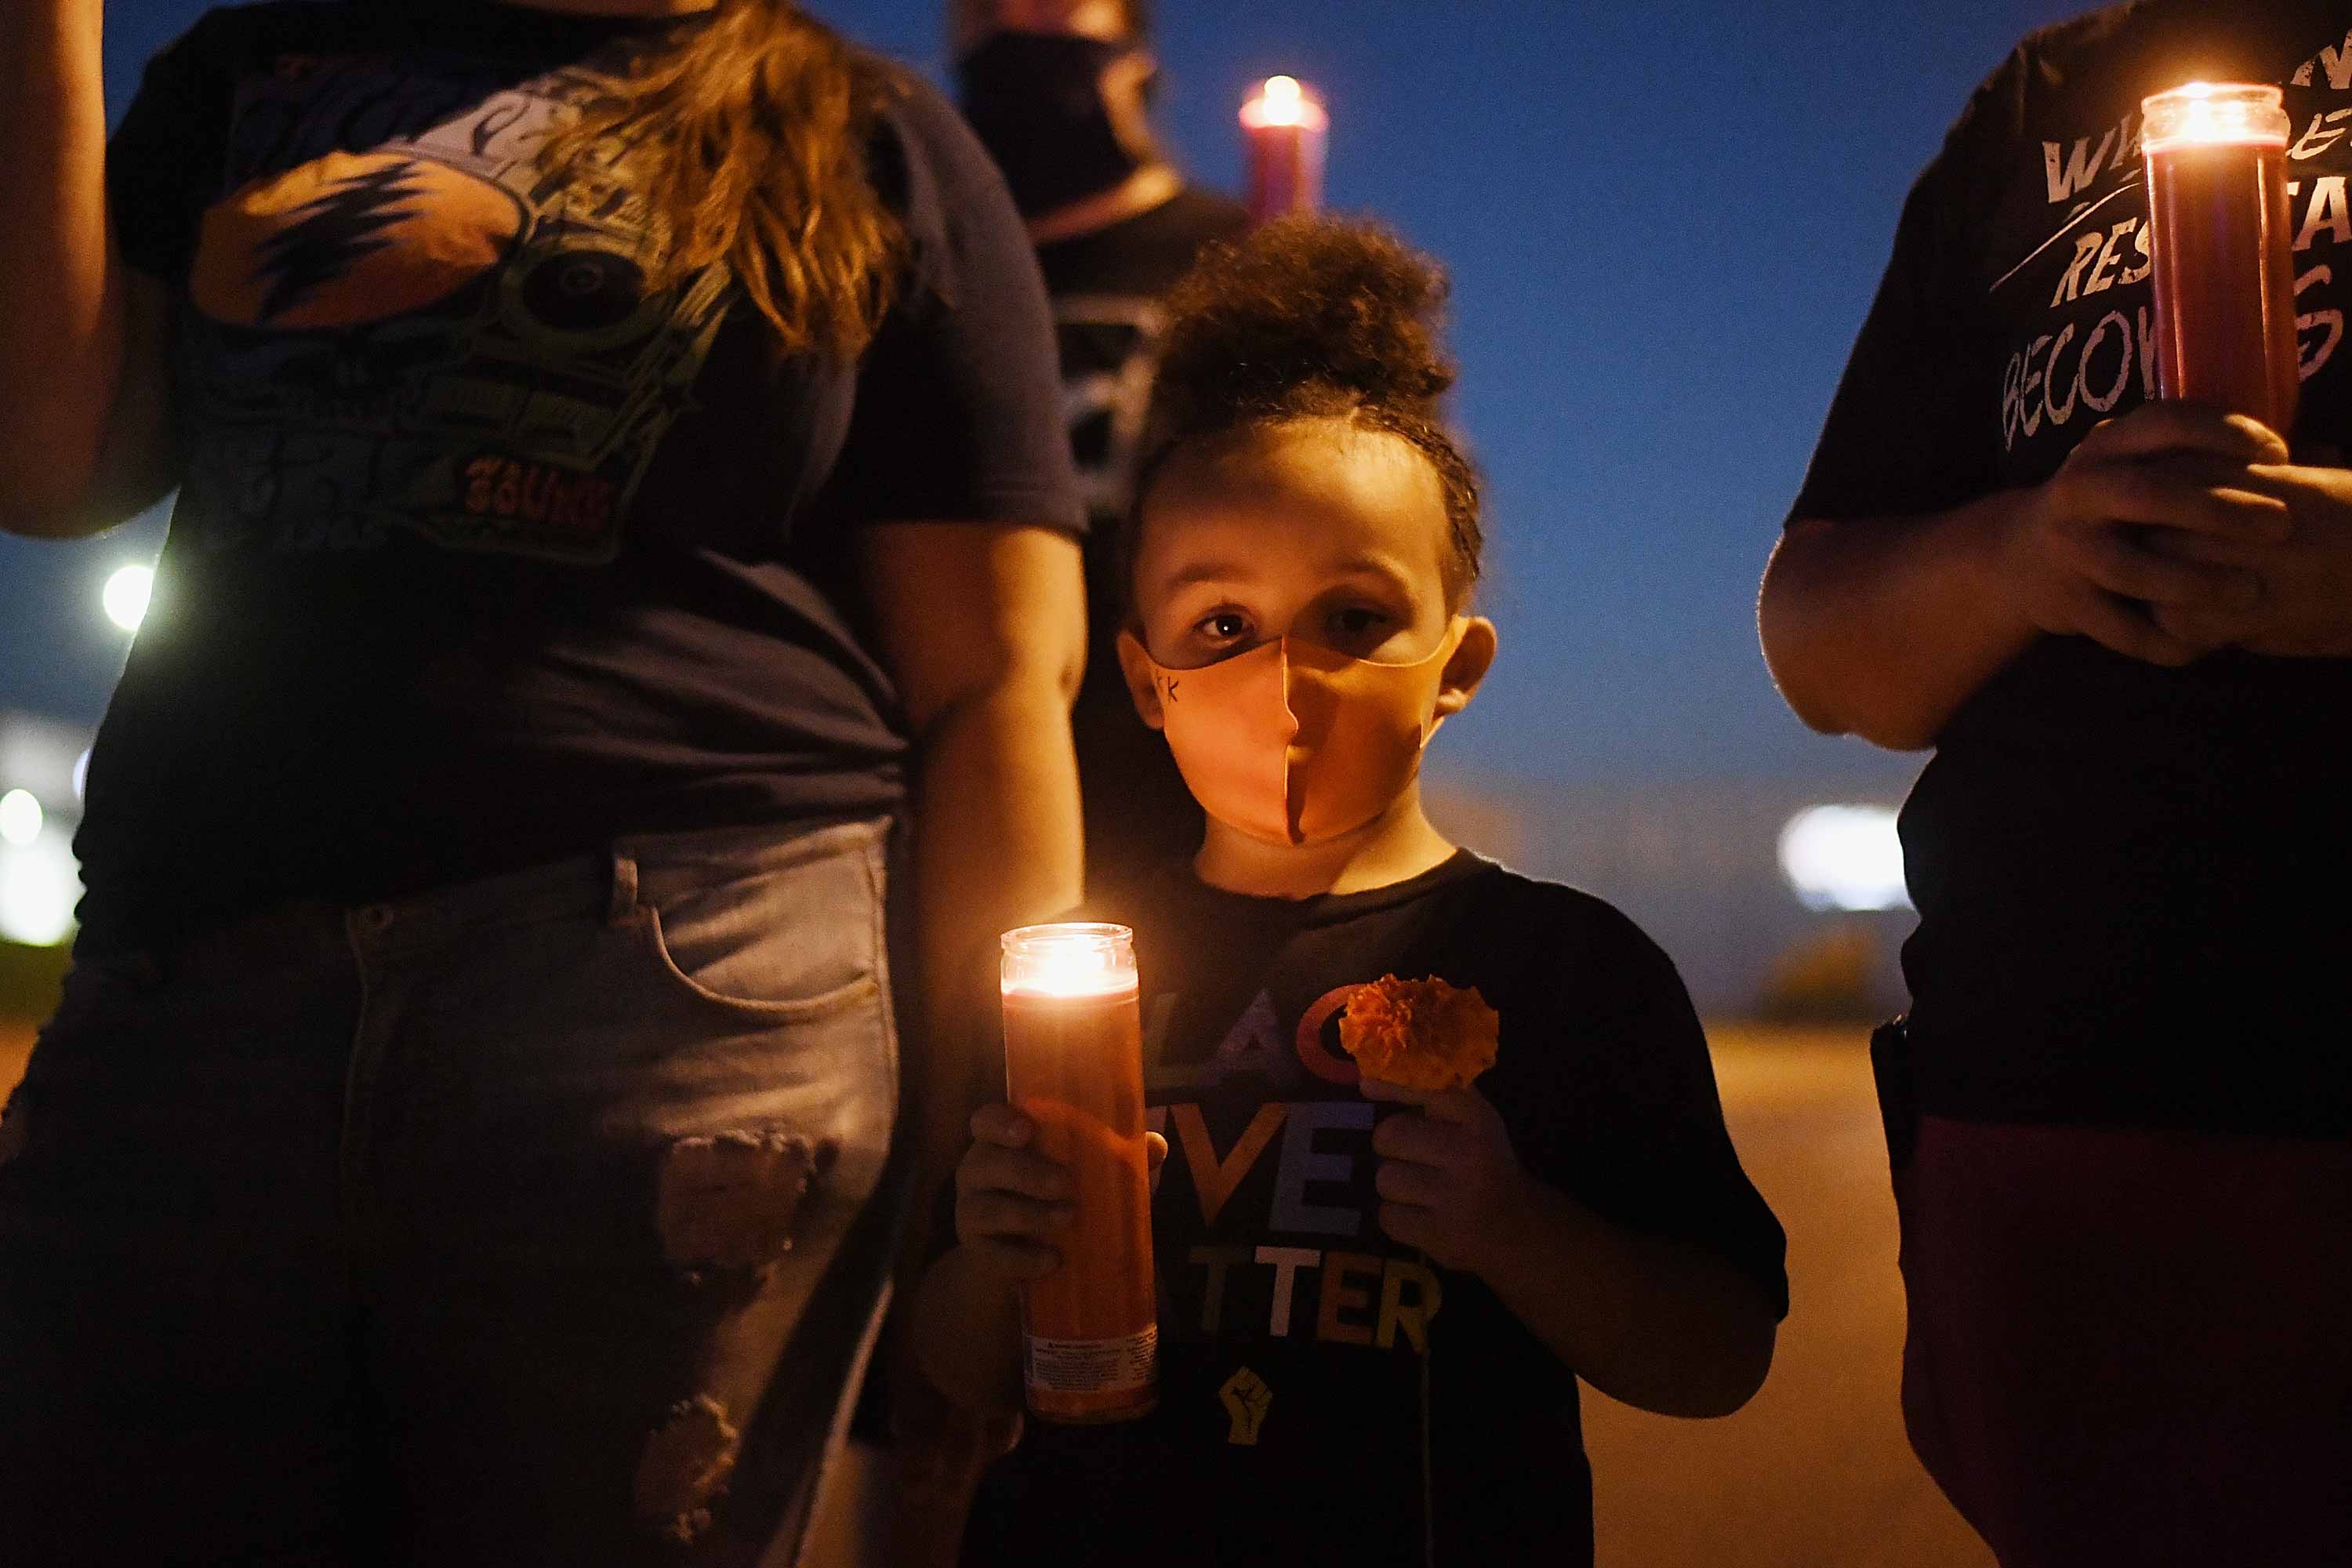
[(1074, 1066), (1288, 131), (2218, 240)]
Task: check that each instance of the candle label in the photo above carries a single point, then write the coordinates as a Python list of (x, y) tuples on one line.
[(1094, 1366)]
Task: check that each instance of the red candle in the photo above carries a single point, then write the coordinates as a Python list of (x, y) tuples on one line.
[(2224, 275), (1288, 130), (1074, 1065)]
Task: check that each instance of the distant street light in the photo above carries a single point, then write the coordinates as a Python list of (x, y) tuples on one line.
[(1844, 857), (127, 593), (20, 817)]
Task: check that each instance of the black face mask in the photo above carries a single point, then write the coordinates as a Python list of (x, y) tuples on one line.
[(1036, 100)]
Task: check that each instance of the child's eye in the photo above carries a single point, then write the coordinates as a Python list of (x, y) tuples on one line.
[(1223, 627), (1356, 624)]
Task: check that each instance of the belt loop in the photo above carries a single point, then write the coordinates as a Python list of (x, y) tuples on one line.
[(625, 889)]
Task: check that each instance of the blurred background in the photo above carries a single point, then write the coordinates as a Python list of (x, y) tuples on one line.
[(1665, 223)]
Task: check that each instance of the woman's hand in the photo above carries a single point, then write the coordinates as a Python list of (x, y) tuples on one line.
[(2142, 540), (2304, 608), (1450, 1183), (1012, 1204)]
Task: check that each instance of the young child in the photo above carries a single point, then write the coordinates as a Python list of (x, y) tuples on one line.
[(1375, 1302)]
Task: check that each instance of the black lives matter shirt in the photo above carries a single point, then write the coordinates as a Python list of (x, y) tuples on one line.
[(483, 552), (2130, 880), (1310, 1367), (1108, 322)]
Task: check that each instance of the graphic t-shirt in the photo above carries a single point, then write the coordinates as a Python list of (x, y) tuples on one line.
[(1106, 289), (2129, 879), (483, 554), (1328, 1395)]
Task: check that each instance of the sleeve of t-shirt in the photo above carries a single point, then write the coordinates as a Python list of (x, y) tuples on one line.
[(163, 162), (1912, 429), (1630, 1125), (959, 404)]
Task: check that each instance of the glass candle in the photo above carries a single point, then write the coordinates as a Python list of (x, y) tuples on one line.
[(1287, 131), (2218, 239), (1074, 1066)]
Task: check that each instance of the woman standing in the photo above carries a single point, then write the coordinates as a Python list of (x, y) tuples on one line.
[(619, 467), (2120, 1111)]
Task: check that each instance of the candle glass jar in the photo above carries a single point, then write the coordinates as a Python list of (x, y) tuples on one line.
[(2218, 239), (1074, 1066), (1288, 131)]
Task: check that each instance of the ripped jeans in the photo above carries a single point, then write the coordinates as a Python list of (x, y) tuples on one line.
[(543, 1220)]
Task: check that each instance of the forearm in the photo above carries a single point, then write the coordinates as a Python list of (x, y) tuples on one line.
[(1655, 1323), (61, 295), (1883, 629), (967, 1329), (996, 845)]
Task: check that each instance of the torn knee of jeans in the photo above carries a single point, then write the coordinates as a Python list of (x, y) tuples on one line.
[(730, 1201), (686, 1466)]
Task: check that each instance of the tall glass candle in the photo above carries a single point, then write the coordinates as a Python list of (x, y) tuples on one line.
[(1074, 1066), (2224, 273), (1288, 130)]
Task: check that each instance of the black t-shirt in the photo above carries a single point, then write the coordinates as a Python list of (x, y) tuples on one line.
[(1309, 1366), (482, 556), (1106, 289), (2129, 880)]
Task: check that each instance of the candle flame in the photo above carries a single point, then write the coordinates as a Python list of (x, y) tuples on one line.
[(1283, 101), (2209, 113), (1068, 961)]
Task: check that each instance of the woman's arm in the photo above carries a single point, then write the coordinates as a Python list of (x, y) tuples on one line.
[(1884, 627), (83, 440), (984, 627)]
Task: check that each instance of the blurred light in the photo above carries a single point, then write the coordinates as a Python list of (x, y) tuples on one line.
[(20, 817), (1283, 101), (81, 775), (127, 593), (1844, 857), (37, 888)]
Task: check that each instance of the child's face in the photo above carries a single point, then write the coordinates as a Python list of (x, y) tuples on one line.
[(1313, 530)]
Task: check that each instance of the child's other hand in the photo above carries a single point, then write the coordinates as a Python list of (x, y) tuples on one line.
[(1013, 1204), (1449, 1180)]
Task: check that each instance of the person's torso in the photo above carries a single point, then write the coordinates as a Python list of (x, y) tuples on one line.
[(484, 551), (2121, 869), (1326, 1393)]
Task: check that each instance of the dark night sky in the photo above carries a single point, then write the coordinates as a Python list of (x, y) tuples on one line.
[(1665, 224)]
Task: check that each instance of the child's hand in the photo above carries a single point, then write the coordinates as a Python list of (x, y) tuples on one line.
[(1449, 1180), (1012, 1202)]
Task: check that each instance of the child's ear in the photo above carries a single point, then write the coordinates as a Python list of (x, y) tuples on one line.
[(1135, 665), (1473, 658)]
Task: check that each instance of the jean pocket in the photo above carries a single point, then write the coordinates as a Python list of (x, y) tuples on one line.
[(802, 941)]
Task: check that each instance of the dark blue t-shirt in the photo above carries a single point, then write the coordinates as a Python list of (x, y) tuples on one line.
[(483, 554)]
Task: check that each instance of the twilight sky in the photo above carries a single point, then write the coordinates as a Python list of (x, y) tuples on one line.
[(1665, 223)]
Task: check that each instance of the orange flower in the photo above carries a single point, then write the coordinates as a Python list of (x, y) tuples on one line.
[(1422, 1034)]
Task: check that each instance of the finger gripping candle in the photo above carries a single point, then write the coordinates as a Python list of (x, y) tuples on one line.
[(1074, 1066), (1287, 130), (2224, 274)]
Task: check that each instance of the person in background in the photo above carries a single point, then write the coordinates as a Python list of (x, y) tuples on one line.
[(1375, 1301), (471, 1133), (1058, 92), (2120, 1110)]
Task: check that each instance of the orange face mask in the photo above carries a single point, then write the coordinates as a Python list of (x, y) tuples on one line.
[(1293, 743)]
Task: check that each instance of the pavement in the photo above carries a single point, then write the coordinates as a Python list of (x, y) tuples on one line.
[(1815, 1472)]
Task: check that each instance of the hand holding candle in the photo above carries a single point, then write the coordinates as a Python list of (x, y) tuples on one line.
[(1288, 131), (2224, 278), (1074, 1068)]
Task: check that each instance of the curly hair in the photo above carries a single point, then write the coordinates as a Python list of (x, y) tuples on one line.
[(1315, 318)]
